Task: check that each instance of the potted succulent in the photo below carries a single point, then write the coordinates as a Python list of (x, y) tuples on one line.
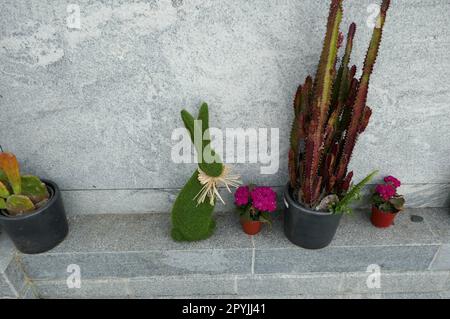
[(330, 114), (31, 210), (255, 205), (386, 203)]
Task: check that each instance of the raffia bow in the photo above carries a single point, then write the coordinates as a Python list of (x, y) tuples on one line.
[(210, 185)]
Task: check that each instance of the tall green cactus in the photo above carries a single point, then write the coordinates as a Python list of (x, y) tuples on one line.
[(330, 114), (192, 221), (19, 194)]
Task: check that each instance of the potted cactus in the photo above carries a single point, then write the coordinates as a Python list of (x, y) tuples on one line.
[(31, 210), (255, 203), (330, 114), (386, 202)]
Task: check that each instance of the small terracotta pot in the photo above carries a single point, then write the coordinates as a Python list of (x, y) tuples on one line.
[(251, 227), (382, 219)]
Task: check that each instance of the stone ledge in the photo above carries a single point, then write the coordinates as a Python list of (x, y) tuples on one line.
[(134, 256), (132, 201), (265, 286), (7, 284)]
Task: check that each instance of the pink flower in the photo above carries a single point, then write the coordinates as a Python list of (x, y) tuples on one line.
[(241, 196), (264, 199), (386, 191), (392, 180)]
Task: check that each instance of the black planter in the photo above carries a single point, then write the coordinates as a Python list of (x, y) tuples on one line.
[(308, 228), (41, 230)]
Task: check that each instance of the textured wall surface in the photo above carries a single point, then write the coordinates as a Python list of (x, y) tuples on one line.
[(94, 108)]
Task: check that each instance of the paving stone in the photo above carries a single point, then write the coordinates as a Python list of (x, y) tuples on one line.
[(15, 275), (179, 286), (89, 289), (412, 296), (400, 282), (6, 256), (289, 284), (445, 295), (357, 230), (140, 264), (439, 221), (144, 232), (343, 259), (442, 259), (30, 292), (5, 290)]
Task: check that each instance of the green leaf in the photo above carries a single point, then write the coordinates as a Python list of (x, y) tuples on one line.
[(19, 204), (3, 177), (266, 218), (246, 216), (4, 192), (188, 121), (398, 202), (2, 203), (33, 188), (343, 206)]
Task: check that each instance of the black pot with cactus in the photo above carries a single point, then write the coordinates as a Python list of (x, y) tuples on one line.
[(31, 211), (330, 114)]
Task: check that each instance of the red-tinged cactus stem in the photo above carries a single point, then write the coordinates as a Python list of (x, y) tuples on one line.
[(298, 132), (292, 169), (320, 105), (365, 119), (361, 97)]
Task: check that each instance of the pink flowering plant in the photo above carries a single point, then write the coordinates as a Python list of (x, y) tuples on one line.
[(386, 198), (255, 203)]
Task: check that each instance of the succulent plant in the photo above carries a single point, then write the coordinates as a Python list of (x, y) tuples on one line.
[(330, 114), (19, 194)]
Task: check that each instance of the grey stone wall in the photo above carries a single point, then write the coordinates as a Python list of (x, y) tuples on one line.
[(94, 108)]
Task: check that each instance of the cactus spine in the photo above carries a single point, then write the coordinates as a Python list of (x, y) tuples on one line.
[(330, 114)]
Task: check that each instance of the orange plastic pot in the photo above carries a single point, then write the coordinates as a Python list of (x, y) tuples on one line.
[(381, 219), (251, 227)]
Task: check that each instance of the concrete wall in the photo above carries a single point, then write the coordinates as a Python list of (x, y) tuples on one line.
[(94, 108)]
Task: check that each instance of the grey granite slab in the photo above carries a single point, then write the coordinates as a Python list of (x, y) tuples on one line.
[(182, 286), (439, 221), (6, 251), (144, 232), (7, 289), (103, 289), (140, 264), (445, 295), (15, 275), (442, 259), (397, 282), (283, 284), (343, 259), (357, 230), (129, 201)]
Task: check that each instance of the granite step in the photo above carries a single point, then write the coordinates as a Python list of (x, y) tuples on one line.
[(133, 256)]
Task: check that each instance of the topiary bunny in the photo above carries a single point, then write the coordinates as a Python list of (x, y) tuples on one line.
[(192, 218)]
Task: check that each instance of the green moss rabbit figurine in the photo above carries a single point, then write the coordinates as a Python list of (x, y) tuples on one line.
[(192, 212)]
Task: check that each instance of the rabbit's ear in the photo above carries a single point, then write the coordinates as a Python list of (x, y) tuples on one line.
[(188, 121), (203, 115)]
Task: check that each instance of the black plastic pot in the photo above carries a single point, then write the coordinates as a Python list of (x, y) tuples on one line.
[(41, 230), (308, 228)]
